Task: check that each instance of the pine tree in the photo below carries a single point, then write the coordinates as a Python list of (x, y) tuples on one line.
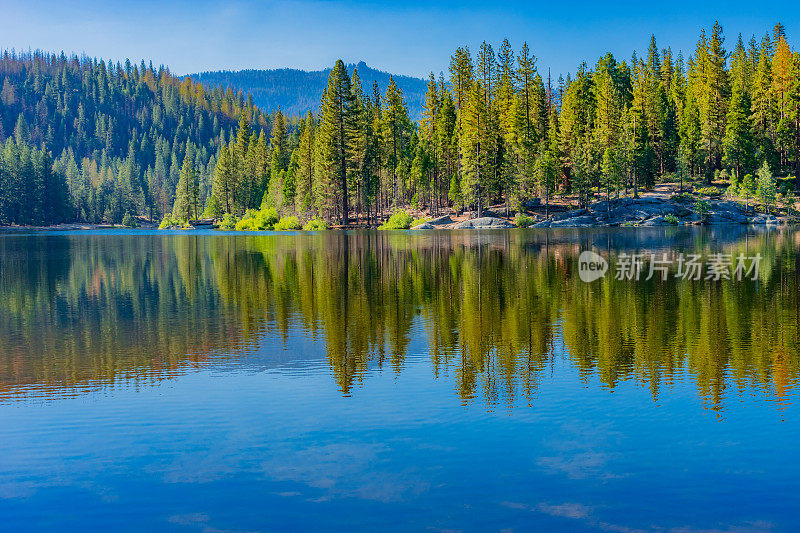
[(764, 113), (187, 194), (429, 129), (225, 179), (448, 145), (766, 187), (279, 164), (609, 101), (738, 144), (304, 200), (21, 131), (475, 148), (462, 77), (575, 122), (242, 178), (794, 113), (359, 146), (712, 100), (396, 128), (783, 70), (526, 76), (259, 154), (332, 143), (279, 145)]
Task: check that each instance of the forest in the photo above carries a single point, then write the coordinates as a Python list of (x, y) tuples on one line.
[(89, 140), (95, 141)]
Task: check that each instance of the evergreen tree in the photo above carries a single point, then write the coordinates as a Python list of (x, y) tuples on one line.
[(187, 194), (713, 94), (766, 187), (737, 144), (332, 144), (304, 200), (225, 179), (396, 128), (429, 125)]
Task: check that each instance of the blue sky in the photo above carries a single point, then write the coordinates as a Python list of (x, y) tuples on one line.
[(404, 37)]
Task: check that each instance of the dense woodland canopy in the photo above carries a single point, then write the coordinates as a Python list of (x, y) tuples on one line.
[(90, 140), (494, 130)]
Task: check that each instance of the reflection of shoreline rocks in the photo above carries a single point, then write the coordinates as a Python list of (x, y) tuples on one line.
[(484, 223)]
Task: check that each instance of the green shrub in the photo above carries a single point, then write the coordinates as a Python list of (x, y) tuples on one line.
[(129, 222), (734, 181), (766, 189), (398, 220), (228, 222), (171, 222), (681, 197), (418, 221), (315, 224), (708, 191), (702, 208), (748, 186), (263, 219), (523, 221), (671, 219), (288, 223), (247, 223)]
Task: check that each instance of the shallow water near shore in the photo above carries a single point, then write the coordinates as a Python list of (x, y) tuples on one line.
[(444, 380)]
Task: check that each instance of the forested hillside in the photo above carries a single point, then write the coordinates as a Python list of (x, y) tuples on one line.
[(296, 92), (89, 140)]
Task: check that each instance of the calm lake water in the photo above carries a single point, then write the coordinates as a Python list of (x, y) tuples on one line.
[(401, 381)]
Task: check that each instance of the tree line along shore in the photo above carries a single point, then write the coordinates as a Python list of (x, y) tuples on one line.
[(85, 140)]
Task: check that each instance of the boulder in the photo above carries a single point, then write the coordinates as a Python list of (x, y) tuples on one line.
[(424, 225), (763, 218), (484, 223), (440, 221), (568, 214), (725, 217), (655, 221)]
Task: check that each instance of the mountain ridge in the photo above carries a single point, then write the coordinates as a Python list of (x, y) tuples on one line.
[(297, 91)]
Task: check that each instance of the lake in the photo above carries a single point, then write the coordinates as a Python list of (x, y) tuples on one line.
[(400, 380)]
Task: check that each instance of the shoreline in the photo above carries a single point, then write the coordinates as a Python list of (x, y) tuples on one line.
[(645, 211)]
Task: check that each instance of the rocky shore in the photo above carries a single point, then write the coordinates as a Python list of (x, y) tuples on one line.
[(646, 211), (654, 211)]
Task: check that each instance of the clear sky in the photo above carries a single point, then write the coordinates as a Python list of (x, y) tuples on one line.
[(403, 37)]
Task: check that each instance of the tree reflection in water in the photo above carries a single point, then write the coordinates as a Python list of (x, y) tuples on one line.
[(83, 311)]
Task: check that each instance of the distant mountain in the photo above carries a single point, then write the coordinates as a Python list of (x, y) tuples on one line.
[(298, 91)]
